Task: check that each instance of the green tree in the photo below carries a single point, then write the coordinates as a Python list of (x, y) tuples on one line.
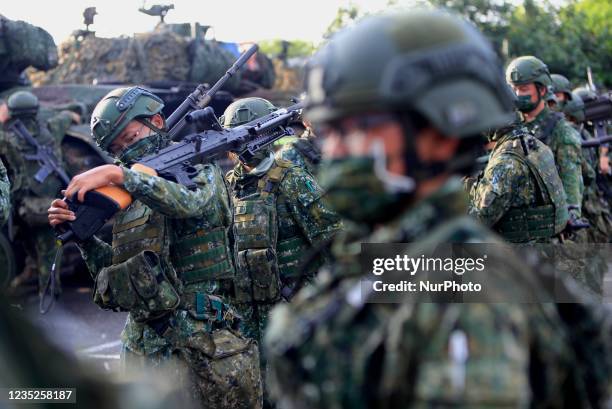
[(345, 15), (295, 48)]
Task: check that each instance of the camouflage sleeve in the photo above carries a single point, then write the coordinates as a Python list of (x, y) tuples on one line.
[(97, 255), (173, 200), (303, 193), (5, 189), (568, 156), (493, 194)]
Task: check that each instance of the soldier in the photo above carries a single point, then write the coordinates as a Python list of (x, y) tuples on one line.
[(519, 194), (32, 193), (529, 77), (395, 148), (604, 160), (562, 89), (594, 205), (278, 218), (5, 198), (170, 253), (302, 151)]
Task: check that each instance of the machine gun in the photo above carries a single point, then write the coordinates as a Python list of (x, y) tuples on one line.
[(597, 142), (177, 163), (159, 10), (598, 111), (44, 155), (201, 97)]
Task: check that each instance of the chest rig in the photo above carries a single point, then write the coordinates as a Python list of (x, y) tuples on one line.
[(550, 215), (137, 229), (268, 243)]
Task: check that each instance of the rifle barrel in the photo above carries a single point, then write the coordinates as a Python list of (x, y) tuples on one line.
[(200, 98)]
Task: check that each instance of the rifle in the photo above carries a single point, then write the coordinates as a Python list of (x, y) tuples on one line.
[(200, 97), (176, 163), (599, 112), (44, 155), (597, 142)]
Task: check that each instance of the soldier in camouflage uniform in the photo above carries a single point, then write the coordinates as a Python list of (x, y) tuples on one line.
[(302, 151), (519, 194), (5, 198), (562, 90), (278, 218), (31, 197), (395, 149), (604, 151), (169, 261), (594, 205), (529, 77)]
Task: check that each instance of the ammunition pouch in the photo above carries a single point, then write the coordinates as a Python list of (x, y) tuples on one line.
[(520, 225), (257, 278), (138, 285), (227, 369)]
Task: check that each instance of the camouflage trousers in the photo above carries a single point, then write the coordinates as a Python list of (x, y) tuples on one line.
[(218, 370), (40, 249), (253, 325), (597, 211), (580, 259)]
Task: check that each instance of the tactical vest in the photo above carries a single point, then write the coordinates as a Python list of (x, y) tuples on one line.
[(200, 253), (137, 229), (549, 217), (268, 244)]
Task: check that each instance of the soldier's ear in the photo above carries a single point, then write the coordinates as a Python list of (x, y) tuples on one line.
[(158, 121)]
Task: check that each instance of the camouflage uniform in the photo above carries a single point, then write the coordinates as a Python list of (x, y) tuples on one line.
[(5, 198), (519, 193), (327, 351), (169, 256), (192, 225), (302, 152), (292, 220), (333, 348), (30, 198), (564, 142)]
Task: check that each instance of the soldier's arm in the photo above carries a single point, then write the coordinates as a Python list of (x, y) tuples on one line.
[(5, 202), (175, 200), (97, 254), (492, 197), (303, 193), (569, 163)]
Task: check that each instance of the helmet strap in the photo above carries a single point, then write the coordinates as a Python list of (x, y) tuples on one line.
[(145, 121)]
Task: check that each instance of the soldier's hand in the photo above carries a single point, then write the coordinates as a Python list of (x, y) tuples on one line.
[(604, 165), (59, 213), (94, 178)]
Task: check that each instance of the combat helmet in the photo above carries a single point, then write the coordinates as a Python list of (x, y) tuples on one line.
[(245, 110), (528, 69), (561, 84), (575, 108), (425, 61), (22, 103), (118, 108)]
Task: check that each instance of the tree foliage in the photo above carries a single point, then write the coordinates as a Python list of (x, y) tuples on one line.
[(296, 48), (567, 37)]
